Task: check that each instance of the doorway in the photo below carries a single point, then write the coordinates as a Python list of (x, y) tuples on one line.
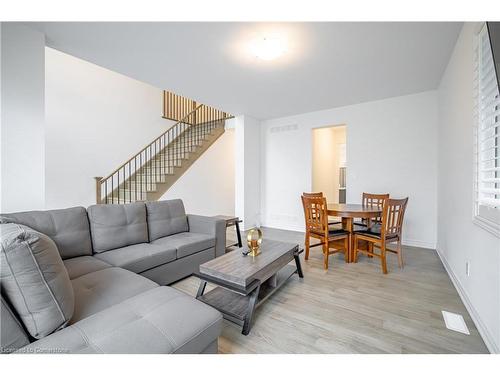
[(329, 162)]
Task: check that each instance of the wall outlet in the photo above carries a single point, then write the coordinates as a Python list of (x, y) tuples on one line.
[(467, 268)]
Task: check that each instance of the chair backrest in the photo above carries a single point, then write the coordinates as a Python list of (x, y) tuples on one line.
[(313, 195), (392, 216), (375, 201), (315, 213), (320, 194)]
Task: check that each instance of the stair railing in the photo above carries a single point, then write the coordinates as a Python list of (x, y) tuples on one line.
[(141, 172)]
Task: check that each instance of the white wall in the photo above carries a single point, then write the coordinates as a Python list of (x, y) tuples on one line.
[(22, 118), (96, 119), (248, 171), (391, 147), (207, 187), (459, 240)]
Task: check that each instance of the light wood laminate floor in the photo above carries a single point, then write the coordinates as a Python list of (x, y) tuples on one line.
[(354, 308)]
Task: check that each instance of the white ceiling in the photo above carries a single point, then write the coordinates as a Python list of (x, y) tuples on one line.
[(327, 64)]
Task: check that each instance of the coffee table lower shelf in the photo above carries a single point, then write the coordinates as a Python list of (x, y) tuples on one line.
[(239, 308)]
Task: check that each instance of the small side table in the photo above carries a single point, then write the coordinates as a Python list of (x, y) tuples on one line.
[(232, 221)]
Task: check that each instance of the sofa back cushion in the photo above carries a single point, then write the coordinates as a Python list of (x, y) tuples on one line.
[(12, 335), (34, 279), (68, 228), (117, 225), (166, 218)]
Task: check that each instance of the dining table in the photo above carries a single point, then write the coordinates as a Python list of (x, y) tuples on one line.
[(348, 212)]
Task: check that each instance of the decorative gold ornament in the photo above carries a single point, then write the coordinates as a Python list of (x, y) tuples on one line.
[(254, 239)]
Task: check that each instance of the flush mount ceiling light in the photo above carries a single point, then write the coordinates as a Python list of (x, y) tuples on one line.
[(268, 48)]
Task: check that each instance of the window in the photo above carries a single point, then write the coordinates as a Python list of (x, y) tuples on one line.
[(487, 133)]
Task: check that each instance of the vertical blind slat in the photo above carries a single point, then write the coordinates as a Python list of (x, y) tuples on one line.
[(487, 134)]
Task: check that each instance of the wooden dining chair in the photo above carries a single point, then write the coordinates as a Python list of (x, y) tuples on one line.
[(316, 219), (320, 194), (389, 230), (372, 201)]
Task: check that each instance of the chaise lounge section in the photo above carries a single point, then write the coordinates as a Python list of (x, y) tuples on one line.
[(114, 259)]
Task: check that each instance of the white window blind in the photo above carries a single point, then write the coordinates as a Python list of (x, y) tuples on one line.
[(487, 135)]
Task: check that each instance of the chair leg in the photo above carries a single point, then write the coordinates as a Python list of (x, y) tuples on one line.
[(355, 255), (400, 255), (307, 244), (325, 255), (370, 249), (347, 241), (383, 258)]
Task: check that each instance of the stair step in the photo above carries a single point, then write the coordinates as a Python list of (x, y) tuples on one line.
[(174, 153), (148, 173), (140, 188), (121, 201), (154, 170), (157, 165), (130, 195), (132, 184), (151, 178), (181, 145), (189, 138), (154, 177), (161, 163), (157, 170), (186, 140)]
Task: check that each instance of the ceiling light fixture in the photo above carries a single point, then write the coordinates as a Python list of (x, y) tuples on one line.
[(268, 48)]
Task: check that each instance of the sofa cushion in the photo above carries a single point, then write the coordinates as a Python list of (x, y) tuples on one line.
[(68, 228), (12, 334), (34, 279), (161, 320), (80, 266), (187, 243), (117, 225), (99, 290), (140, 257), (166, 218)]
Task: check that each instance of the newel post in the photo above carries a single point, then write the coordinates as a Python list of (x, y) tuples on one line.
[(98, 198)]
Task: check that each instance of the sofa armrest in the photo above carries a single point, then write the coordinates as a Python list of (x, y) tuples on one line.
[(212, 226)]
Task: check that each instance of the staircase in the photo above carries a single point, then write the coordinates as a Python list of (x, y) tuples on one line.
[(152, 171)]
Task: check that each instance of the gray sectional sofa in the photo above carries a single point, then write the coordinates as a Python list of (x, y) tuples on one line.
[(88, 281)]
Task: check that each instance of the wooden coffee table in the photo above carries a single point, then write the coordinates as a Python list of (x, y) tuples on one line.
[(245, 282)]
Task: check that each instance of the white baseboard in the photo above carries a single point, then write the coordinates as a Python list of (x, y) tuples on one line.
[(481, 327), (284, 226), (300, 228), (419, 243)]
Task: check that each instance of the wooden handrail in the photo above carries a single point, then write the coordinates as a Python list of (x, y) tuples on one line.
[(150, 143), (151, 161)]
